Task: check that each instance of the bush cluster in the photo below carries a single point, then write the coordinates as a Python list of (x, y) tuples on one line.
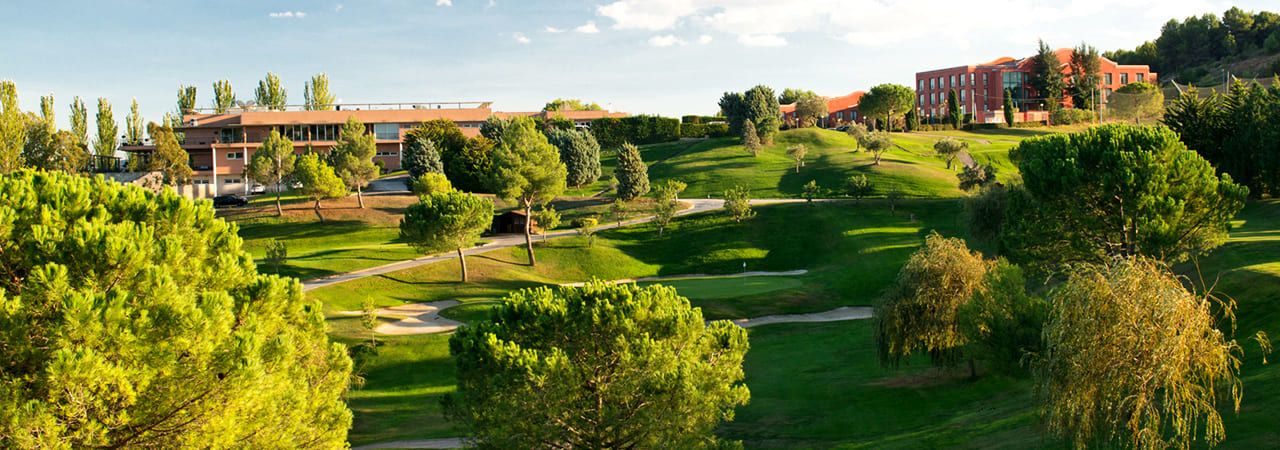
[(1073, 116), (639, 130)]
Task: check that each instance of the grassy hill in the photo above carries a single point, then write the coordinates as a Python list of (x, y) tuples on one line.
[(715, 165)]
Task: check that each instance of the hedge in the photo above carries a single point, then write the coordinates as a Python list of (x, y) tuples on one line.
[(639, 130), (1073, 116)]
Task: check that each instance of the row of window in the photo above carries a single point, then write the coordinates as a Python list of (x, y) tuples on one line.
[(937, 83), (331, 132), (937, 98)]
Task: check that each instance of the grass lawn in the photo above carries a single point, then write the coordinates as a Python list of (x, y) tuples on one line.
[(1010, 134), (705, 288), (715, 165), (649, 153)]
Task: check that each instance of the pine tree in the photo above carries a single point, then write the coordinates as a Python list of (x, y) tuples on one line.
[(420, 158), (632, 173), (446, 221), (527, 171), (750, 139), (1008, 108), (580, 154)]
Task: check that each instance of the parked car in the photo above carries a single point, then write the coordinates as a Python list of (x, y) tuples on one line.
[(228, 200), (257, 189)]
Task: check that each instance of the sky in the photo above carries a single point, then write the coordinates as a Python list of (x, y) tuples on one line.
[(668, 57)]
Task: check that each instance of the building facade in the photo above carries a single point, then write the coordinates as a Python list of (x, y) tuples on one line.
[(980, 88), (220, 144), (841, 110)]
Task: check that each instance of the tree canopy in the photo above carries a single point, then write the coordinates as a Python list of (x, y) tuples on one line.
[(1117, 190), (420, 158), (443, 221), (1136, 101), (169, 158), (887, 100), (1235, 132), (352, 157), (105, 144), (13, 128), (1085, 76), (1134, 359), (580, 154), (318, 180), (540, 375), (757, 105), (223, 96), (271, 93), (632, 173), (467, 162), (141, 323), (949, 148), (316, 93), (527, 171), (272, 163), (1046, 77), (570, 104), (811, 110)]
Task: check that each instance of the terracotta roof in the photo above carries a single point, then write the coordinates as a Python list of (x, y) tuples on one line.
[(845, 101), (789, 107)]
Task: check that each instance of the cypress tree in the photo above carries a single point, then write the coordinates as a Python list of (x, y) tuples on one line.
[(632, 173), (580, 153)]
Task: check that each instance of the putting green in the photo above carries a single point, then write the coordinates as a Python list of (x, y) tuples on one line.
[(471, 311), (707, 288)]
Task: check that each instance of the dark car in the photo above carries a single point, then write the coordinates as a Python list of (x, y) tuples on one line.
[(228, 200)]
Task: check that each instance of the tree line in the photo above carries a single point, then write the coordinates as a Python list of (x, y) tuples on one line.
[(1187, 44)]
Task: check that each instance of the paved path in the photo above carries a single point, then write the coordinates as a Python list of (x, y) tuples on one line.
[(417, 443), (503, 241), (394, 183), (835, 315)]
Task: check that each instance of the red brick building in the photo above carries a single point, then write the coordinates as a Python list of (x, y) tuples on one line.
[(220, 144), (840, 110), (980, 88)]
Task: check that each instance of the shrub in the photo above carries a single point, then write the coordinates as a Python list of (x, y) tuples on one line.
[(639, 130), (1073, 116)]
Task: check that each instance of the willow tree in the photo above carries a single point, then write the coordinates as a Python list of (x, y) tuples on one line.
[(599, 366), (141, 323), (317, 95), (1133, 359), (446, 221), (271, 93), (223, 96), (919, 313), (527, 171)]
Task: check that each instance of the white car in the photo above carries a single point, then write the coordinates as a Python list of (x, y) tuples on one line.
[(257, 189)]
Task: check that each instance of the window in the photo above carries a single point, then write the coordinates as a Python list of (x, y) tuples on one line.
[(920, 101), (984, 79), (1124, 78), (199, 181), (933, 98), (839, 115), (931, 86), (230, 181), (962, 95), (971, 74), (387, 153), (386, 131), (921, 88), (951, 82), (231, 135), (962, 80), (1140, 77), (1108, 78), (322, 132), (235, 155), (939, 82), (293, 132)]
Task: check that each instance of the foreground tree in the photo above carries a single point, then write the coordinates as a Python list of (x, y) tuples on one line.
[(318, 180), (737, 202), (527, 171), (1133, 359), (352, 157), (273, 163), (316, 93), (1118, 190), (580, 154), (540, 376), (445, 221), (918, 314), (1001, 323), (271, 93), (632, 173), (120, 333), (948, 148)]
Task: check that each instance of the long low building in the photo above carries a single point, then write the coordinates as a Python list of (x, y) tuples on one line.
[(221, 143), (980, 88), (841, 110)]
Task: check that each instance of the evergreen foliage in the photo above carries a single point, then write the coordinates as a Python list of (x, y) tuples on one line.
[(169, 158), (949, 148), (1046, 79), (953, 112), (1235, 132), (445, 221), (858, 187), (751, 140), (420, 158), (352, 157), (666, 203), (890, 101), (1085, 77), (580, 154), (632, 173), (140, 323), (527, 171), (540, 375)]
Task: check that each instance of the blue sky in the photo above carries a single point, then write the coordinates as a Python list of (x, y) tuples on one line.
[(668, 57)]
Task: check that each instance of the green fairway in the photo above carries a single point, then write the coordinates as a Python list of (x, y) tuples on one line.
[(1009, 134), (706, 288), (715, 165)]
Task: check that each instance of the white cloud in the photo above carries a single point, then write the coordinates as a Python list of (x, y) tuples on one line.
[(444, 2), (652, 15), (287, 15), (704, 39), (589, 28), (551, 29), (761, 40), (337, 7), (490, 5), (666, 41), (521, 38)]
